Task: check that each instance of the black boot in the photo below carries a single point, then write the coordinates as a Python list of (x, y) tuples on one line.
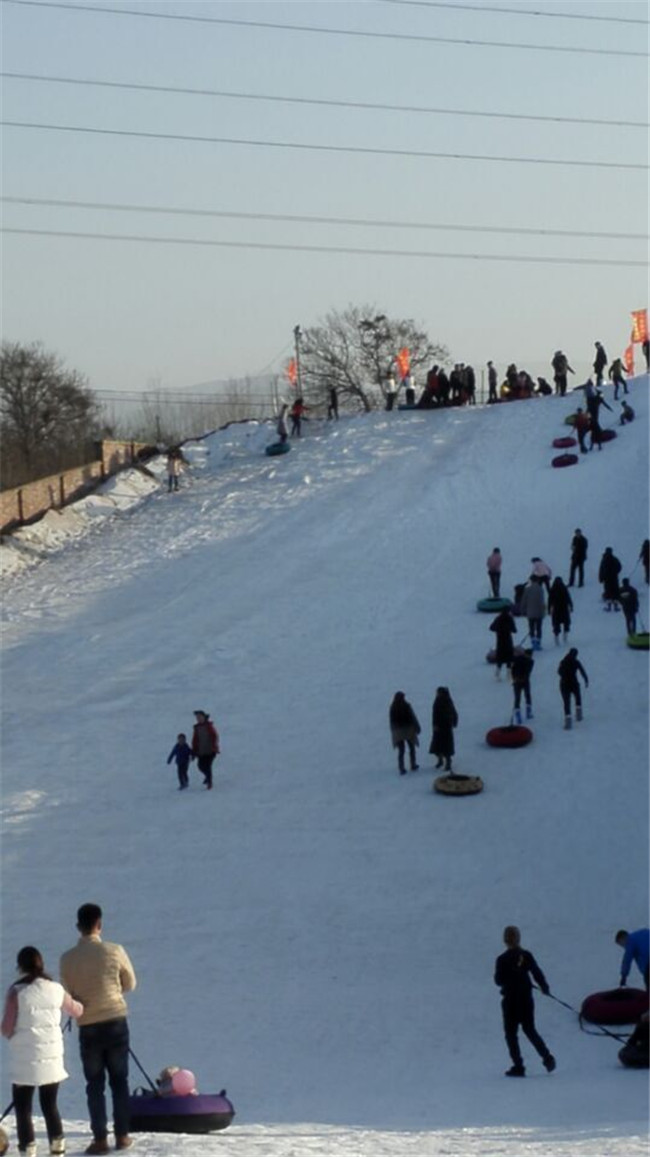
[(516, 1071)]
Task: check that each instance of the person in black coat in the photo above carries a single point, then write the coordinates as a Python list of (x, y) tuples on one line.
[(600, 361), (593, 407), (629, 600), (608, 572), (504, 627), (579, 545), (569, 685), (560, 605), (444, 718), (512, 975), (404, 729), (644, 555), (521, 670)]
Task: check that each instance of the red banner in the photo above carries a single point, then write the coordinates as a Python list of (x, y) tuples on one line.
[(403, 360), (639, 325), (292, 371), (628, 360)]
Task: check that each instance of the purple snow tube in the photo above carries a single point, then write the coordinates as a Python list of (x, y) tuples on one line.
[(205, 1113)]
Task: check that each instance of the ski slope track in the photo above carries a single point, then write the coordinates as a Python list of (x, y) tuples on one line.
[(318, 935)]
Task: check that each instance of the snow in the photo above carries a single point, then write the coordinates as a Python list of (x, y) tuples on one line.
[(318, 935)]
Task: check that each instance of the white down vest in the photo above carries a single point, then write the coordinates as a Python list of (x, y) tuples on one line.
[(37, 1043)]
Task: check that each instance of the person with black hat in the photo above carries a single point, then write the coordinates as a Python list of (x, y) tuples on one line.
[(205, 745)]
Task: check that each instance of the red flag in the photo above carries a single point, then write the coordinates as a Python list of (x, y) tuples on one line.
[(403, 360), (292, 371), (639, 325), (628, 358)]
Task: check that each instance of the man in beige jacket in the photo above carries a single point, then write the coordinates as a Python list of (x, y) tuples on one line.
[(98, 974)]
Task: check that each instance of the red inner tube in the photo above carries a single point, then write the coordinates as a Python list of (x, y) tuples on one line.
[(565, 460), (607, 435), (511, 736), (564, 443), (618, 1006)]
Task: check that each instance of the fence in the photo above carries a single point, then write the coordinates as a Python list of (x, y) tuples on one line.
[(27, 503)]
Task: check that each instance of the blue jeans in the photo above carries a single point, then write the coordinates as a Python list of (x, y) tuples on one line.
[(104, 1049)]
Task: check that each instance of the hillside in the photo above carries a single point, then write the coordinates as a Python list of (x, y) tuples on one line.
[(319, 934)]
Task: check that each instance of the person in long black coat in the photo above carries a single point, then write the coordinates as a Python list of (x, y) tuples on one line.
[(579, 545), (404, 730), (569, 686), (504, 627), (512, 974), (608, 572), (560, 606), (444, 719)]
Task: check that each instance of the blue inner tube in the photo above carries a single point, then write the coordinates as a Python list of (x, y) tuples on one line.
[(493, 606)]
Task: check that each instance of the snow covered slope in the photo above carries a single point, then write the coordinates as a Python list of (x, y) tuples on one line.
[(319, 934)]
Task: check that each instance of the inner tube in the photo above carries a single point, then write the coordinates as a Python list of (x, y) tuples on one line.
[(492, 606), (607, 435), (638, 642), (277, 448), (205, 1113), (564, 443), (565, 460), (458, 784), (617, 1006), (510, 736)]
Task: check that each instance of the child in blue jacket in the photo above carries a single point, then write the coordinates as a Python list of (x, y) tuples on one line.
[(182, 753)]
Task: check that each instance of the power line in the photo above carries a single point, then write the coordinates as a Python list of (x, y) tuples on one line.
[(320, 102), (305, 145), (353, 32), (311, 219), (516, 11), (335, 249)]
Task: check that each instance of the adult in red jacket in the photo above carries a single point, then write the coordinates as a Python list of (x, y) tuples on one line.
[(205, 745)]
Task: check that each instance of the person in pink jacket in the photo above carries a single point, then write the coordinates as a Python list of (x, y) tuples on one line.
[(494, 571), (31, 1022)]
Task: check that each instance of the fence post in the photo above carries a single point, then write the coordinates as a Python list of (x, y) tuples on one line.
[(61, 490)]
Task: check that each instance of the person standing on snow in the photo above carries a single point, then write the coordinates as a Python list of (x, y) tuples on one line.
[(31, 1022), (512, 974), (404, 729), (593, 406), (579, 545), (600, 362), (504, 628), (493, 382), (628, 597), (542, 571), (560, 605), (568, 671), (333, 404), (582, 425), (521, 670), (444, 718), (181, 752), (561, 368), (494, 562), (615, 374), (205, 745), (644, 555), (281, 424), (533, 606), (608, 572), (637, 950)]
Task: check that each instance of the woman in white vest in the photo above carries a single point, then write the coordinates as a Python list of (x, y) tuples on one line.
[(32, 1023)]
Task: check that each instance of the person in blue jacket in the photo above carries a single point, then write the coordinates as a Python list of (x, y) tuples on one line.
[(182, 753), (637, 950)]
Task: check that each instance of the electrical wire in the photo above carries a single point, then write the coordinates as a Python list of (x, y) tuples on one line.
[(335, 249), (352, 32), (515, 11), (323, 103), (305, 145), (312, 219)]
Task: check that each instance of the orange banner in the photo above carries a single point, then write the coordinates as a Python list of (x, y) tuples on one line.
[(628, 360), (403, 360), (639, 325), (292, 371)]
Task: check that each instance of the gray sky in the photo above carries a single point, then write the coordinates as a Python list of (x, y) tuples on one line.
[(125, 312)]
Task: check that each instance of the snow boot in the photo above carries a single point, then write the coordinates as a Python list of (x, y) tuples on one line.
[(29, 1150), (578, 714), (529, 712), (516, 1071), (517, 715), (439, 762), (567, 722), (415, 767), (549, 1063), (57, 1146)]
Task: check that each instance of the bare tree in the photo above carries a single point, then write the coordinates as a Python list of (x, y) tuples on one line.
[(354, 351), (47, 412)]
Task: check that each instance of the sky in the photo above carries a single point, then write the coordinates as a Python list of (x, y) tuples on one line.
[(130, 313), (318, 934)]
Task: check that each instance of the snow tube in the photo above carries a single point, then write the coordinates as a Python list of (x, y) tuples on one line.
[(204, 1113), (458, 784), (564, 443), (638, 642), (618, 1006), (493, 606), (607, 435), (510, 736), (277, 448), (491, 656), (565, 460)]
